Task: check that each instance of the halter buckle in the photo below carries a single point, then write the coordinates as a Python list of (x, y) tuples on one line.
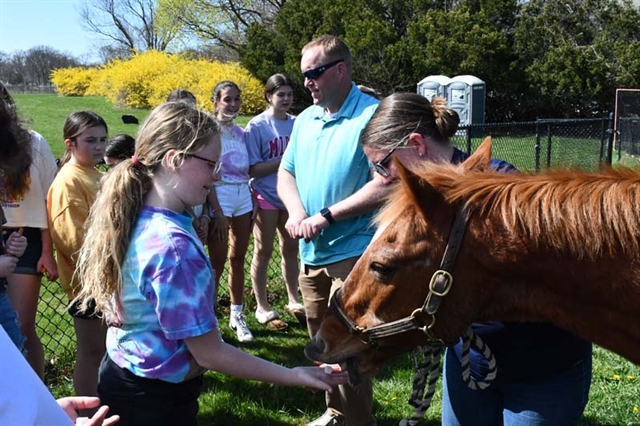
[(446, 282)]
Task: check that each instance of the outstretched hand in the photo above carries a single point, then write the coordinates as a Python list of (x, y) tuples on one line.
[(319, 378), (71, 405)]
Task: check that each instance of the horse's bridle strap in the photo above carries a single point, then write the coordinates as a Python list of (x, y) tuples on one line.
[(442, 279), (439, 286), (379, 331)]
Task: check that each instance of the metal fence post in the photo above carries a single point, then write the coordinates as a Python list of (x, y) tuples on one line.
[(548, 144), (537, 145), (610, 140), (602, 138)]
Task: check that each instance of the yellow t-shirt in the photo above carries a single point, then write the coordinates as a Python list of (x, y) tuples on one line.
[(70, 197)]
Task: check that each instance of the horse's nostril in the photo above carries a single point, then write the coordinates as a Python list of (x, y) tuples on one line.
[(315, 348), (319, 343)]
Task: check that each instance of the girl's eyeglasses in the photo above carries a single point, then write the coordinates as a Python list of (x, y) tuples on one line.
[(315, 73), (380, 166), (215, 165)]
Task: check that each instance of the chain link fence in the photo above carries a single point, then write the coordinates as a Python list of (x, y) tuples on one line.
[(55, 326), (530, 146), (536, 145)]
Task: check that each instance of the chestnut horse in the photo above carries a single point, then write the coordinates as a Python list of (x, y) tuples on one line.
[(561, 246)]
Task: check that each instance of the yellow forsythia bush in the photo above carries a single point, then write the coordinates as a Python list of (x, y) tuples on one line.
[(73, 81), (145, 81)]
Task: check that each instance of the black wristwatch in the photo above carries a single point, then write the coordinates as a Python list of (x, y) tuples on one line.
[(326, 213)]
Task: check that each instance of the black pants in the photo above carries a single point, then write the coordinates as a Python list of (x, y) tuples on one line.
[(140, 401)]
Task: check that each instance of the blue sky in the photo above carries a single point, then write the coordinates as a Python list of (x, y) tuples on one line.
[(56, 23)]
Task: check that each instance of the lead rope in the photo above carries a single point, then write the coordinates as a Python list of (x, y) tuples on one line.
[(426, 361), (468, 339), (426, 366)]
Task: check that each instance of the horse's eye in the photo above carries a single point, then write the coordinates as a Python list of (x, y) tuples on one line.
[(379, 268)]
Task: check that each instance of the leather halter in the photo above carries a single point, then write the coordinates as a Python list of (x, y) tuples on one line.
[(423, 318)]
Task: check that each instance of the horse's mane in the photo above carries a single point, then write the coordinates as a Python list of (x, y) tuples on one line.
[(586, 213)]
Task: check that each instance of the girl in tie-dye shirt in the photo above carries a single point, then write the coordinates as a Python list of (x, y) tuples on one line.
[(145, 268)]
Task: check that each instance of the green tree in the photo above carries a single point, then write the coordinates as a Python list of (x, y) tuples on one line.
[(395, 43), (457, 42), (129, 26), (579, 48), (223, 23)]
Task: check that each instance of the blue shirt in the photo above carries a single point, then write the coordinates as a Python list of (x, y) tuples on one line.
[(329, 165)]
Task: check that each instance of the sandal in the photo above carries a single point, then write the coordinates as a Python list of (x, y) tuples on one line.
[(298, 312), (277, 325), (271, 319)]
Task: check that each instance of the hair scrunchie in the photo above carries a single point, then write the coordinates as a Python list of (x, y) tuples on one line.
[(136, 162)]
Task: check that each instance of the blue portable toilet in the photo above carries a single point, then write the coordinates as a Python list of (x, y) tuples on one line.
[(466, 95), (433, 85)]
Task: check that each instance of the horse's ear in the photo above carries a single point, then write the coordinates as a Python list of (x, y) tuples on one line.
[(420, 190), (481, 159)]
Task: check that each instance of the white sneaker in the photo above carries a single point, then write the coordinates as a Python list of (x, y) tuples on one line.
[(238, 323), (328, 418)]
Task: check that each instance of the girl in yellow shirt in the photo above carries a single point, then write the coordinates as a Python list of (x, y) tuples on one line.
[(70, 197)]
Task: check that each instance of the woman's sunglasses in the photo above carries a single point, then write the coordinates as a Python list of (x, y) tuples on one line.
[(380, 166), (315, 73)]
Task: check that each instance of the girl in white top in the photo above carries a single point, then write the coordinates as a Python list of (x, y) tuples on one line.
[(32, 164), (267, 137), (231, 204)]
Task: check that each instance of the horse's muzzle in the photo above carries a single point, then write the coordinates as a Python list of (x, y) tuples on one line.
[(315, 351)]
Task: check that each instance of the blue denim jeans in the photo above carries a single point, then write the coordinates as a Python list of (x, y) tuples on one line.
[(9, 320), (558, 400)]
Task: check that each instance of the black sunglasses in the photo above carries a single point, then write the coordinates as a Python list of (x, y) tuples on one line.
[(315, 73), (380, 168)]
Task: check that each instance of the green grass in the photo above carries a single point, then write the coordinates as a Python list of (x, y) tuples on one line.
[(45, 113), (615, 390), (226, 400)]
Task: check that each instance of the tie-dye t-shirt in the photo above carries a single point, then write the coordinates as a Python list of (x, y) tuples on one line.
[(167, 296), (234, 155)]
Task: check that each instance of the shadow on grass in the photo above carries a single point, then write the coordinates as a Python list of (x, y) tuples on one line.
[(241, 402), (588, 421), (234, 401)]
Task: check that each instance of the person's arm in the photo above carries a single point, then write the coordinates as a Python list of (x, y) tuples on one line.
[(203, 224), (210, 352), (219, 224), (264, 169), (366, 199), (288, 193), (47, 263), (69, 204)]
